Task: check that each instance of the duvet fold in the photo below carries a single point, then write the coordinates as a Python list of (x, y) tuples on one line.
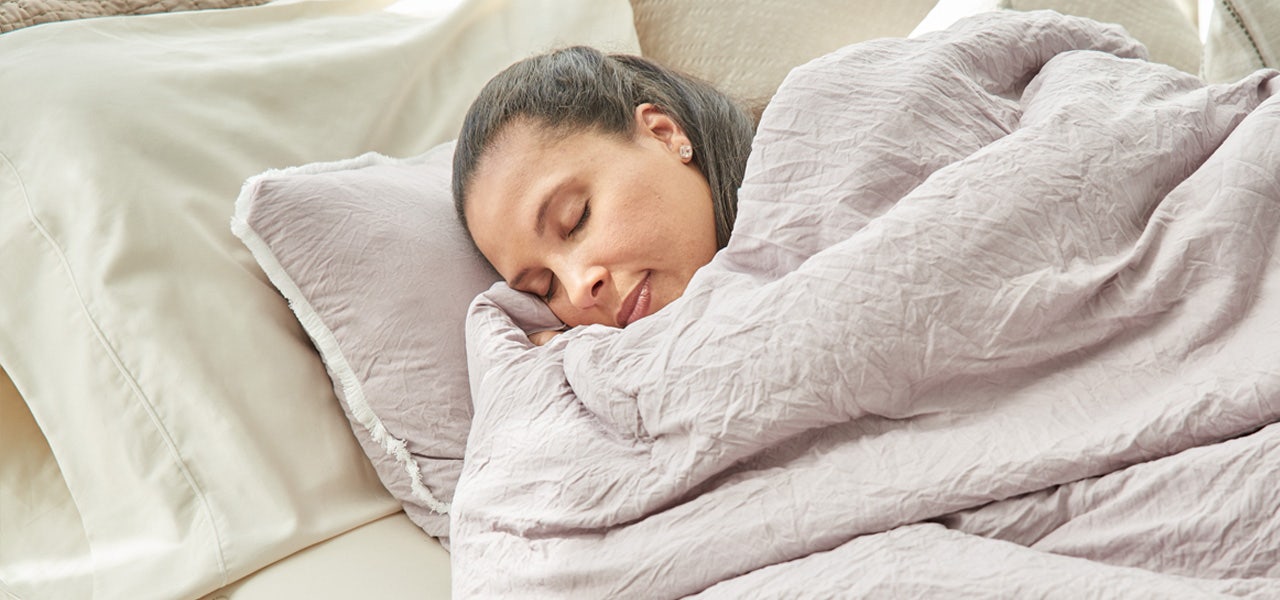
[(971, 272)]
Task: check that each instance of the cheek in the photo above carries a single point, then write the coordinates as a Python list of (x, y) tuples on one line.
[(696, 221), (567, 316), (664, 216), (688, 241)]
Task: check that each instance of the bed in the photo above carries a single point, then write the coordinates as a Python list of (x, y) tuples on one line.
[(213, 389)]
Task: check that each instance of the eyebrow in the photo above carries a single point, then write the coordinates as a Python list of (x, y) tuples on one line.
[(540, 225)]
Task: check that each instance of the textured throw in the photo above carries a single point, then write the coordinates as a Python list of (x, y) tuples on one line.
[(16, 14), (1000, 317)]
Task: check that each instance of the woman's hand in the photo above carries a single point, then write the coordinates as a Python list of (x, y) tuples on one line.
[(542, 337)]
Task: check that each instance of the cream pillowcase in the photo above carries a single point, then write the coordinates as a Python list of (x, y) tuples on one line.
[(746, 47), (946, 12), (1163, 26), (1243, 36)]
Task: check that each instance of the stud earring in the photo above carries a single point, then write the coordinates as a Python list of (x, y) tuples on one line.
[(686, 152)]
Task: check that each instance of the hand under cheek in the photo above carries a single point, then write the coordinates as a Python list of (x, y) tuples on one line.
[(542, 337)]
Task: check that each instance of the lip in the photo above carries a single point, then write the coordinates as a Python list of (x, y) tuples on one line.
[(636, 304)]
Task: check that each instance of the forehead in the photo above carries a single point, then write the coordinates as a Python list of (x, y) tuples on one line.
[(511, 152), (513, 176), (525, 148), (508, 172)]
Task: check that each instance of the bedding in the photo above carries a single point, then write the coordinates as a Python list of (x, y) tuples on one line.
[(1241, 36), (1000, 300), (1161, 25), (1166, 27)]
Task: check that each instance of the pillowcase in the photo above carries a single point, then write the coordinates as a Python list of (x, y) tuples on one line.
[(24, 13), (746, 47), (946, 12), (380, 273), (30, 479), (1243, 36)]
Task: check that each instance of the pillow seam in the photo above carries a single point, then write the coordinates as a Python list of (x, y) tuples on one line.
[(1229, 7)]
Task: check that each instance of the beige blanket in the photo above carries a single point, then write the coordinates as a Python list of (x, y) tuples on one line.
[(16, 14)]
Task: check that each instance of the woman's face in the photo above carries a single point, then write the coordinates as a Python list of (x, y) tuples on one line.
[(606, 230)]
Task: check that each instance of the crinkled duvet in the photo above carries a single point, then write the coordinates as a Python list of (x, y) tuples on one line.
[(1000, 317)]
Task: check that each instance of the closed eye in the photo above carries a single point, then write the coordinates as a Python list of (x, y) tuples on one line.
[(551, 290), (582, 221), (577, 227)]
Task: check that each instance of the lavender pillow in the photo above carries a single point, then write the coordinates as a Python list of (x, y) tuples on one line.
[(377, 268)]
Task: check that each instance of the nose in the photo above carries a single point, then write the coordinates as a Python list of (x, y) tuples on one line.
[(584, 284)]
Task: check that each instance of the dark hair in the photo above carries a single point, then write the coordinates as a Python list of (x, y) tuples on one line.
[(580, 88)]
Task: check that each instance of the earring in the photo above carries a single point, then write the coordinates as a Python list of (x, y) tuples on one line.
[(686, 152)]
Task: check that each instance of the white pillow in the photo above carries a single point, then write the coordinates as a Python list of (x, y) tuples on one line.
[(1243, 36), (946, 12), (35, 503), (1163, 26), (746, 47), (193, 422)]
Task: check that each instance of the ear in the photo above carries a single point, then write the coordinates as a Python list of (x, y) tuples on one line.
[(651, 122)]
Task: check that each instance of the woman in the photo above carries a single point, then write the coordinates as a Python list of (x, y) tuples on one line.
[(599, 182)]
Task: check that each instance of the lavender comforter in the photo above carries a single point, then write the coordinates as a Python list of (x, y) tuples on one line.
[(1000, 317)]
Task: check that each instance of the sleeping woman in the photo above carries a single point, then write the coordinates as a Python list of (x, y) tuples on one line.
[(598, 182), (990, 268)]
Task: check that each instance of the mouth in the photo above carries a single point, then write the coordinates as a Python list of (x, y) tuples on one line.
[(636, 304)]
